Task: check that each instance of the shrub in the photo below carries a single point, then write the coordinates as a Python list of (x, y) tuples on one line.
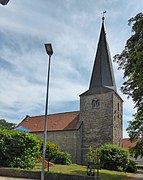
[(93, 156), (53, 154), (63, 158), (113, 157), (90, 155), (51, 151), (18, 149), (110, 156), (131, 166)]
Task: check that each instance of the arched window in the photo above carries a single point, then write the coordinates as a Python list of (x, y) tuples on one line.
[(95, 103)]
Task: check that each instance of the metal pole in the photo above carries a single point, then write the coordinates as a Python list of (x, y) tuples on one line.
[(45, 122)]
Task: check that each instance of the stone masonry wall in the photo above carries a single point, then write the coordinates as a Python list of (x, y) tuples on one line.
[(66, 141), (78, 143), (96, 112), (117, 122)]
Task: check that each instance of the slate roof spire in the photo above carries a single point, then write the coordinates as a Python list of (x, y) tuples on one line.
[(102, 74)]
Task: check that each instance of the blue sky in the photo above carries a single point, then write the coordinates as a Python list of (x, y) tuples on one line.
[(73, 27)]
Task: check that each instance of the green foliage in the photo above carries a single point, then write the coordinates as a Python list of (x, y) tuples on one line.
[(6, 125), (55, 155), (131, 61), (18, 149), (51, 151), (131, 166), (137, 150), (113, 157), (90, 155), (63, 158), (93, 155), (135, 130)]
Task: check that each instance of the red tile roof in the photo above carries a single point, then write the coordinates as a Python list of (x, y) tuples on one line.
[(56, 122), (127, 143)]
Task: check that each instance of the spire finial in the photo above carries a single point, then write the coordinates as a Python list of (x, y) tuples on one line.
[(104, 12)]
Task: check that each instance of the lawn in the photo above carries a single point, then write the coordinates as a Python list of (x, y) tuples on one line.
[(81, 170)]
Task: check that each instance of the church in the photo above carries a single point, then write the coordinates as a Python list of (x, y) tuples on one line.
[(99, 119)]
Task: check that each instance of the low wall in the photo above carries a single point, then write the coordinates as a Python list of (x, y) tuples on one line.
[(37, 175), (20, 173)]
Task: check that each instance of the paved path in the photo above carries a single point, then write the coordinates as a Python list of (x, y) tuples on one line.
[(136, 176), (13, 178)]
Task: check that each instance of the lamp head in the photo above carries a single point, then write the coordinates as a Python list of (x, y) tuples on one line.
[(49, 49), (4, 2)]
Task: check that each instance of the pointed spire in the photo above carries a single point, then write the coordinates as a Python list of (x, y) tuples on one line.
[(102, 74)]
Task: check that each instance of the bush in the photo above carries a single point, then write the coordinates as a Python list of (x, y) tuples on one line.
[(51, 151), (63, 158), (93, 156), (18, 149), (90, 158), (113, 157), (131, 166), (54, 155)]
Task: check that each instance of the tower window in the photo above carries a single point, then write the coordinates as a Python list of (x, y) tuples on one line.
[(95, 103), (118, 106)]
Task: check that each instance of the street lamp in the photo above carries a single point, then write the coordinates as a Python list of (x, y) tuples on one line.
[(49, 51), (4, 2)]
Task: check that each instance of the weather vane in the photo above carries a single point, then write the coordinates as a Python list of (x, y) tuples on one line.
[(104, 12)]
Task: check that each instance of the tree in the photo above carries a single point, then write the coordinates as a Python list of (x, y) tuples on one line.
[(131, 61), (6, 125)]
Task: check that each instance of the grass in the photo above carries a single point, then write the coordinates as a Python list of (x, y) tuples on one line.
[(81, 170), (113, 175)]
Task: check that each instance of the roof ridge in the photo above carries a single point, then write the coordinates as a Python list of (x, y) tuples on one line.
[(55, 114), (58, 121)]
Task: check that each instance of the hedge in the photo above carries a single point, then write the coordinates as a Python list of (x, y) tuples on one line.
[(18, 149)]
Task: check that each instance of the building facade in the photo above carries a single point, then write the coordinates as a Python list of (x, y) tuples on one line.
[(99, 120)]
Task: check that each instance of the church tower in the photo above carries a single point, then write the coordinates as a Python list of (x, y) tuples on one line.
[(100, 105)]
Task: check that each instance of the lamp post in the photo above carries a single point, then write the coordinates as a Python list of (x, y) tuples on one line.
[(49, 51), (4, 2)]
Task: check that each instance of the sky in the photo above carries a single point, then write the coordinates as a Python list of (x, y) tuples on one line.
[(73, 27)]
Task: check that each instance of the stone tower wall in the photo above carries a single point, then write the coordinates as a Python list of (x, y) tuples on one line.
[(117, 121), (96, 112)]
